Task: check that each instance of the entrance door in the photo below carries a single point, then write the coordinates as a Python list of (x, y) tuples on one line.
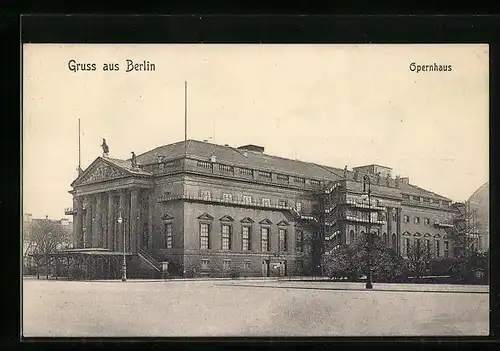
[(265, 268), (283, 268)]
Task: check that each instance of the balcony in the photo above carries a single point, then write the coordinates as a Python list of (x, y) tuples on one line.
[(68, 211), (443, 224), (363, 220), (221, 200)]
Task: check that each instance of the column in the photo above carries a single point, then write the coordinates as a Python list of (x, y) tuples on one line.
[(78, 224), (134, 193), (121, 227), (150, 221), (97, 229), (111, 221), (88, 222)]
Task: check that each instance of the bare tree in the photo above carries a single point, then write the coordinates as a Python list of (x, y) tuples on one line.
[(43, 238)]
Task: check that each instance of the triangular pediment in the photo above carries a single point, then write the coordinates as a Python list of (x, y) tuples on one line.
[(266, 222), (417, 234), (437, 236), (167, 217), (406, 233), (100, 170), (205, 217), (247, 220), (427, 235), (226, 219), (283, 223)]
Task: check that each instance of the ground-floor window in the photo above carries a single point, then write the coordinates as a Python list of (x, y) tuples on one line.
[(226, 264), (438, 248), (226, 237), (264, 232), (446, 248), (204, 264), (246, 265), (283, 240), (245, 235), (204, 236), (168, 235)]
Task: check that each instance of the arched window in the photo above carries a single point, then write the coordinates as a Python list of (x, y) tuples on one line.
[(384, 237), (394, 242), (351, 236)]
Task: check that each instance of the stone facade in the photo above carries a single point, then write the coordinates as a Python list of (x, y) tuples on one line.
[(215, 210)]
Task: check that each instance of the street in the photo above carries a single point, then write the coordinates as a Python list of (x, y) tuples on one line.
[(250, 308)]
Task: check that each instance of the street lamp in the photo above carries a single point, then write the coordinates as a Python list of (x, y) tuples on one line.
[(366, 180), (124, 263)]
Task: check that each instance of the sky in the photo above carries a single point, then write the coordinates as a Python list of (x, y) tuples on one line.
[(335, 105)]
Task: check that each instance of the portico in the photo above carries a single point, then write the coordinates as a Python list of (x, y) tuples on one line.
[(103, 192)]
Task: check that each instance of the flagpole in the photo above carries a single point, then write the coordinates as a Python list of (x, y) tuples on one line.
[(185, 119), (79, 149)]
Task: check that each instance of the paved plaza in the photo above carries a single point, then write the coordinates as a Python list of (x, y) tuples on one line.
[(250, 308)]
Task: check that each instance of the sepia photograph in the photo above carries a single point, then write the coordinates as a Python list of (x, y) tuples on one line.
[(255, 190)]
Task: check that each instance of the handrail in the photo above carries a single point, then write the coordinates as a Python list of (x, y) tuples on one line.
[(150, 259)]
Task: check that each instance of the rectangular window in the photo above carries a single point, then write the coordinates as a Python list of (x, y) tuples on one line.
[(226, 264), (266, 201), (298, 180), (204, 236), (246, 171), (428, 246), (227, 197), (204, 164), (282, 178), (282, 203), (247, 199), (226, 168), (226, 237), (264, 239), (446, 248), (427, 221), (426, 199), (407, 246), (265, 175), (283, 240), (206, 195), (300, 241), (438, 248), (417, 244), (298, 206), (246, 265), (315, 182), (407, 219), (205, 264), (168, 235), (417, 220), (245, 235), (394, 219)]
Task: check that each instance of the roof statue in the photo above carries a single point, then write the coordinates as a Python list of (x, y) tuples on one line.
[(105, 148), (345, 172), (388, 180), (134, 160), (356, 175), (397, 182), (378, 178)]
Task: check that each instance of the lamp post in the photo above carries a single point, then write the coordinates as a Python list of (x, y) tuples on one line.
[(366, 180), (124, 263)]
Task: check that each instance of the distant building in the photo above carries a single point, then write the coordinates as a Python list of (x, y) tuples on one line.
[(479, 205), (212, 209)]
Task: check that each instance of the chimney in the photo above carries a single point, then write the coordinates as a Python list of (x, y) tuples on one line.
[(254, 148), (405, 180)]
